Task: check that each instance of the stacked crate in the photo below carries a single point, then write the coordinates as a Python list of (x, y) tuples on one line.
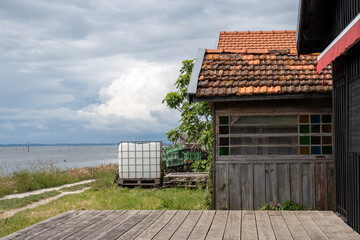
[(179, 154)]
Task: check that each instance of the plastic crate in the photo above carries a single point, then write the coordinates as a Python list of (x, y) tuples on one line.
[(192, 156), (173, 159), (175, 162), (175, 148)]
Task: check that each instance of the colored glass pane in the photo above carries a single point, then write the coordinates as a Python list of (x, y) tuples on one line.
[(326, 118), (315, 118), (304, 119), (224, 129), (224, 151), (326, 139), (326, 128), (327, 149), (315, 150), (224, 120), (304, 128), (315, 140), (304, 140), (224, 141), (304, 150), (315, 128)]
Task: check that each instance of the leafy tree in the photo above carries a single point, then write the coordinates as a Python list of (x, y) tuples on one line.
[(196, 119)]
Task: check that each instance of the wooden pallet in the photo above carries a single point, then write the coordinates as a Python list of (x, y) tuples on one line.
[(186, 179), (135, 182)]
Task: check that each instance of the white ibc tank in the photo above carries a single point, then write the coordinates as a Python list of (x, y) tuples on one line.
[(139, 159)]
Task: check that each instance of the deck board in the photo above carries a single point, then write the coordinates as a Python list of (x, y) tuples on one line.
[(185, 224)]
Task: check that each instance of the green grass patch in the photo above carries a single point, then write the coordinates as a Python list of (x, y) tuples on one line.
[(8, 204), (46, 175)]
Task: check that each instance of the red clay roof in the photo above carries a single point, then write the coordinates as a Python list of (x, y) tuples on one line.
[(269, 40), (247, 63)]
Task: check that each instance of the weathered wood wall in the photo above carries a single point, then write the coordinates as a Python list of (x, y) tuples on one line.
[(253, 184), (251, 181)]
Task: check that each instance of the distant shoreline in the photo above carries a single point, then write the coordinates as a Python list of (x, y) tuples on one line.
[(57, 144)]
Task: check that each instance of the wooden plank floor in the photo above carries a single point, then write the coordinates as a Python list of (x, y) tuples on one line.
[(171, 224)]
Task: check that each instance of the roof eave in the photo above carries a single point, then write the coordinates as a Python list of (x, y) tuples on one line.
[(259, 97)]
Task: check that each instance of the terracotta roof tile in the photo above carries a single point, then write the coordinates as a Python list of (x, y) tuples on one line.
[(259, 41), (260, 62), (272, 73)]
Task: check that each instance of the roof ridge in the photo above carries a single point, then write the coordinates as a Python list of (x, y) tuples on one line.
[(252, 51), (257, 32)]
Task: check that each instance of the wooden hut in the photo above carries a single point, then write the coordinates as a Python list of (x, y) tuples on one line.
[(333, 28), (272, 118)]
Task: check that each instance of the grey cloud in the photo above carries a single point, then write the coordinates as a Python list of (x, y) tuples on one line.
[(67, 50)]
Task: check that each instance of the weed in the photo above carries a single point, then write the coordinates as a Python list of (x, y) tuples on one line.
[(287, 206)]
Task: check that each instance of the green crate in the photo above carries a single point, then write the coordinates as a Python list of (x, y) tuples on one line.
[(175, 148), (192, 156), (175, 162), (168, 149), (173, 159)]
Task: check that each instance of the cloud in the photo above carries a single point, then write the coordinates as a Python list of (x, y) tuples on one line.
[(134, 97), (96, 70)]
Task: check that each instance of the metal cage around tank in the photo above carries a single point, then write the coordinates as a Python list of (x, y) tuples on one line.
[(140, 159)]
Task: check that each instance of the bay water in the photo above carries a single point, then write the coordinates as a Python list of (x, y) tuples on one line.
[(15, 158)]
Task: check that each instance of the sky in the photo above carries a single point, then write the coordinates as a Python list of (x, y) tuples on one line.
[(89, 71)]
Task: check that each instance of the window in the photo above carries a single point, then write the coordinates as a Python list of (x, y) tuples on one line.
[(305, 134)]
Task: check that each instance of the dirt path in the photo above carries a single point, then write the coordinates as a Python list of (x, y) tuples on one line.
[(12, 212), (21, 195)]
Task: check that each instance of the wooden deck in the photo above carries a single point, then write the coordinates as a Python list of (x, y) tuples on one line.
[(147, 224)]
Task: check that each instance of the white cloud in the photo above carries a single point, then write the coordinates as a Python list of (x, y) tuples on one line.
[(132, 98)]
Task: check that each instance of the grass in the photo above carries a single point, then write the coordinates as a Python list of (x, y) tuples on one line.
[(105, 195), (46, 175), (8, 204)]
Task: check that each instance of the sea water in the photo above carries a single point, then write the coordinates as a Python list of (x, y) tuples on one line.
[(63, 157)]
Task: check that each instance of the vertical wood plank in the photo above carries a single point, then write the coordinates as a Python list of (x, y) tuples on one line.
[(283, 183), (157, 225), (326, 226), (271, 183), (248, 225), (233, 226), (235, 187), (294, 225), (295, 183), (309, 225), (312, 184), (144, 224), (122, 217), (126, 226), (306, 185), (170, 228), (221, 187), (218, 225), (331, 186), (201, 229), (320, 195), (263, 224), (259, 186), (187, 226), (280, 228), (251, 187), (245, 186)]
